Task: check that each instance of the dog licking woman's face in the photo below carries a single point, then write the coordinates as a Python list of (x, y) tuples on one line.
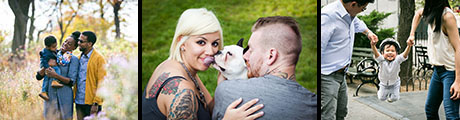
[(195, 50)]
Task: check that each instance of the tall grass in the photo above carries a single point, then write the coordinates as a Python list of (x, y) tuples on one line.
[(19, 91), (18, 87)]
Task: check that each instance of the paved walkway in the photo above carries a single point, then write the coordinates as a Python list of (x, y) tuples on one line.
[(366, 106)]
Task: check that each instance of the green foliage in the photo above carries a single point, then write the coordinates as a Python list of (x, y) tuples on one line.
[(236, 18), (373, 20), (420, 4), (453, 3)]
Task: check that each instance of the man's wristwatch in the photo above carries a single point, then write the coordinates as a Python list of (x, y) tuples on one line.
[(367, 33)]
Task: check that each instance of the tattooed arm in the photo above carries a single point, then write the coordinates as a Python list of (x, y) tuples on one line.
[(184, 106), (176, 99)]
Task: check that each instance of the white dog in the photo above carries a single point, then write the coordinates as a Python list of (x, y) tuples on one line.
[(230, 62)]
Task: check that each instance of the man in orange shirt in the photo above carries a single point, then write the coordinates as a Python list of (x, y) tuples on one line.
[(91, 74)]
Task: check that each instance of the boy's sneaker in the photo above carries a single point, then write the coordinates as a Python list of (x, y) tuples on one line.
[(44, 96), (390, 101), (56, 84)]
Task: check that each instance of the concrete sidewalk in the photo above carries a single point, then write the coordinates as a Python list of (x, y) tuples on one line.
[(411, 105)]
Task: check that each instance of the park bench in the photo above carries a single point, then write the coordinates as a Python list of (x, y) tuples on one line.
[(357, 55), (363, 67)]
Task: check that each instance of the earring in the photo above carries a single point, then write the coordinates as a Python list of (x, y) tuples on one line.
[(182, 49)]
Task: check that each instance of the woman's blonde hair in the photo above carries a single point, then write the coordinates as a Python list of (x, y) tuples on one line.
[(196, 21)]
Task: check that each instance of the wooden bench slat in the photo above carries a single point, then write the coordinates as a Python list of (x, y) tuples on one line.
[(362, 49), (360, 54)]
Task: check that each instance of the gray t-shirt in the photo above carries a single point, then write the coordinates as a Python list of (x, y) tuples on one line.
[(283, 99)]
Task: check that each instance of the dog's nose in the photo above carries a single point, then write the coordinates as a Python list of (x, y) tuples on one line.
[(218, 52)]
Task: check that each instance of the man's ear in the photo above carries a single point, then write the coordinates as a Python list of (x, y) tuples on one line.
[(354, 3), (272, 56)]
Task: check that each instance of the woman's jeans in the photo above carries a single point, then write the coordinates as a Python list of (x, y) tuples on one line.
[(439, 91)]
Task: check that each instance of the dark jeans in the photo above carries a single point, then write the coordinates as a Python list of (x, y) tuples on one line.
[(46, 83), (334, 97), (85, 110), (439, 91)]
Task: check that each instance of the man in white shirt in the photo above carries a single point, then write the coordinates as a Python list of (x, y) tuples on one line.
[(338, 27)]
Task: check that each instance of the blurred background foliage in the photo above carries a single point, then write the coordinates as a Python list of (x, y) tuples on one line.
[(373, 20)]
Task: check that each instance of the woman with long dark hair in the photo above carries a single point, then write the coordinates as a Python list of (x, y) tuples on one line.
[(444, 54)]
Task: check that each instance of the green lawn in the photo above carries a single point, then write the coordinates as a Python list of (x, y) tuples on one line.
[(159, 18)]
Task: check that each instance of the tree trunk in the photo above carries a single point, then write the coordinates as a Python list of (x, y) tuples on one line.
[(116, 8), (101, 4), (63, 29), (20, 9), (32, 19), (407, 8)]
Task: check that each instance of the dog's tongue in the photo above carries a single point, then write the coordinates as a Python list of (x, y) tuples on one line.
[(208, 60)]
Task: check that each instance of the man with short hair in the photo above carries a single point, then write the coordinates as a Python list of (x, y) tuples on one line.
[(91, 74), (338, 27), (272, 55)]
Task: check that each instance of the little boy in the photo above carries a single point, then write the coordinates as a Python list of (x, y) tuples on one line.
[(389, 68), (48, 59)]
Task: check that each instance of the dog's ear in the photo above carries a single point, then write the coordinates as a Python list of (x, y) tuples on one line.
[(240, 42)]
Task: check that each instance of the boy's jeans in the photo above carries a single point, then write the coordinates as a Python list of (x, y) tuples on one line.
[(47, 80), (439, 91), (46, 83)]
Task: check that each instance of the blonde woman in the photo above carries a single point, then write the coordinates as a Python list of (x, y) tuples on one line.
[(175, 91)]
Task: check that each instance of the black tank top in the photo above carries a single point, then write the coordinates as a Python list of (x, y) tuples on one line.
[(150, 110)]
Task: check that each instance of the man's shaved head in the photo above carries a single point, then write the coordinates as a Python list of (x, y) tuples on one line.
[(281, 33)]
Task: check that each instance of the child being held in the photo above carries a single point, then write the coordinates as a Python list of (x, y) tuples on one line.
[(48, 59), (389, 62)]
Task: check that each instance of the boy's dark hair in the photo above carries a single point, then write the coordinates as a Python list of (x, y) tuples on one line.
[(91, 36), (360, 2), (75, 35), (391, 43), (50, 40)]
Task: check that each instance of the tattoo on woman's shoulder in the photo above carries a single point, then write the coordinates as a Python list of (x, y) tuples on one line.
[(170, 88), (154, 89), (184, 106)]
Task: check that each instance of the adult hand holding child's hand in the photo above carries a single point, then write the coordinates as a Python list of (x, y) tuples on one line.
[(372, 37), (410, 41), (373, 43)]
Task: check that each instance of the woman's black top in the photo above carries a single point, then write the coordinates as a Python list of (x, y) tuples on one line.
[(150, 110)]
